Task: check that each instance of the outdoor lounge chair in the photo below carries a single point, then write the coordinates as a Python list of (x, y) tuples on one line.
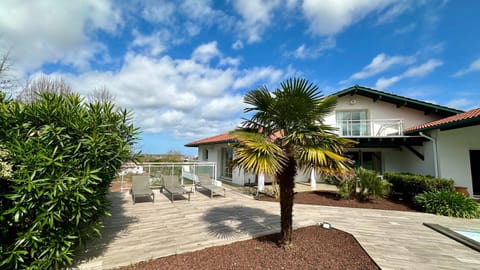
[(141, 188), (207, 183), (172, 186)]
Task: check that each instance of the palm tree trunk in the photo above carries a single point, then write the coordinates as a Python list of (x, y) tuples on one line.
[(287, 183)]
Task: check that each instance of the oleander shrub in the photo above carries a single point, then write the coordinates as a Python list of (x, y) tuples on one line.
[(64, 153), (409, 185), (447, 203)]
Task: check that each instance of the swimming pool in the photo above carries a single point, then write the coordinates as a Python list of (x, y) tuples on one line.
[(470, 239), (470, 234)]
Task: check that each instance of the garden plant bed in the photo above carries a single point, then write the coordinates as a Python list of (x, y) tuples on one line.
[(331, 198), (313, 248)]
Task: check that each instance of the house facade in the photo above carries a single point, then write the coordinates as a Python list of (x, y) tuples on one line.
[(456, 148), (379, 122)]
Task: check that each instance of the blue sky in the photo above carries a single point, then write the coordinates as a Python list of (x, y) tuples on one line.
[(182, 67)]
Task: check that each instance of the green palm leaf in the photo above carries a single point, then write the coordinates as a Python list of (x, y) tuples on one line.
[(255, 153)]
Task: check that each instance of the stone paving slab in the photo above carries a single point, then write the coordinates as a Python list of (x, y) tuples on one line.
[(394, 239)]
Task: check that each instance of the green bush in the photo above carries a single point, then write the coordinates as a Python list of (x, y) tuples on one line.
[(371, 185), (366, 185), (346, 188), (64, 153), (448, 203), (409, 185)]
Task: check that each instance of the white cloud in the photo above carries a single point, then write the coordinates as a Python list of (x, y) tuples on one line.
[(184, 97), (206, 52), (50, 31), (330, 17), (423, 69), (256, 17), (383, 83), (394, 11), (153, 44), (250, 76), (237, 45), (459, 103), (379, 64), (305, 52), (416, 71), (405, 29), (473, 67), (161, 12)]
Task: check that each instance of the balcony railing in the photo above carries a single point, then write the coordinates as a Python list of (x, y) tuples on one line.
[(370, 128)]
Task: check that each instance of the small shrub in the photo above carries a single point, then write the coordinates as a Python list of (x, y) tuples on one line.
[(448, 203), (371, 185), (366, 184), (346, 188)]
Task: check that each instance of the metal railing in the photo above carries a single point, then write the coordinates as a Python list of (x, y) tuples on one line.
[(184, 170), (370, 128)]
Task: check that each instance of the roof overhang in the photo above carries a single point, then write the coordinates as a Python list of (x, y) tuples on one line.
[(387, 142), (210, 143), (399, 101)]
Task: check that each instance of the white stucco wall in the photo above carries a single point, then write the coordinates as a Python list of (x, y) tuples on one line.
[(454, 156), (403, 160), (380, 110), (214, 155)]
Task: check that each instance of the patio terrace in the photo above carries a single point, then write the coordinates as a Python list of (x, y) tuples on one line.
[(394, 239)]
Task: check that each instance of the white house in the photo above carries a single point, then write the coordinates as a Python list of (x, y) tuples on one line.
[(130, 167), (391, 136), (456, 148)]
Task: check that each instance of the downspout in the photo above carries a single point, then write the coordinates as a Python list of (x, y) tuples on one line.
[(435, 158)]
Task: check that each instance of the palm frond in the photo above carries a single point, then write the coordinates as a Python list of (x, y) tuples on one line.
[(256, 153)]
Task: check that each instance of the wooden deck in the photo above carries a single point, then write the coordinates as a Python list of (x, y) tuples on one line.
[(146, 230)]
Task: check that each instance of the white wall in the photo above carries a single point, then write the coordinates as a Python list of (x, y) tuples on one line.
[(380, 110), (214, 155), (403, 160), (454, 156)]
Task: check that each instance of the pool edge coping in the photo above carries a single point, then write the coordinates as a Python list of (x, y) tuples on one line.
[(454, 235)]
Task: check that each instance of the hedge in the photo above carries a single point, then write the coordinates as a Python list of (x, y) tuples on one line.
[(409, 185), (64, 154)]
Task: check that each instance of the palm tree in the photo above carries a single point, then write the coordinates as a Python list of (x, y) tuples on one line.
[(286, 132)]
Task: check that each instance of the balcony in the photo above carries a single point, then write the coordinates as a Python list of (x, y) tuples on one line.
[(370, 128)]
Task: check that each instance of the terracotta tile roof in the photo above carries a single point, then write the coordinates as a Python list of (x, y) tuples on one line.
[(455, 121), (222, 138)]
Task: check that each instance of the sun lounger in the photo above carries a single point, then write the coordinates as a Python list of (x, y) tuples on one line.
[(172, 186), (140, 188), (207, 183)]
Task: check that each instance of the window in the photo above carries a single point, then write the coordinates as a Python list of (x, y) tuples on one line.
[(227, 166), (352, 123), (205, 154), (367, 160)]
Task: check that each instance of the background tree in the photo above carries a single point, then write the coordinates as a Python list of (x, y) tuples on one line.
[(101, 95), (44, 84), (7, 81), (286, 132)]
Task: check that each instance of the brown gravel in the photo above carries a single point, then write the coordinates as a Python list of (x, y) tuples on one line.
[(331, 198), (313, 248)]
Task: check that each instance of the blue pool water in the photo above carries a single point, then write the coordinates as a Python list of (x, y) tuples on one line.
[(472, 235)]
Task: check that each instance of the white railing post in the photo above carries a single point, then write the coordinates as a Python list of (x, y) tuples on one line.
[(313, 182), (261, 182)]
